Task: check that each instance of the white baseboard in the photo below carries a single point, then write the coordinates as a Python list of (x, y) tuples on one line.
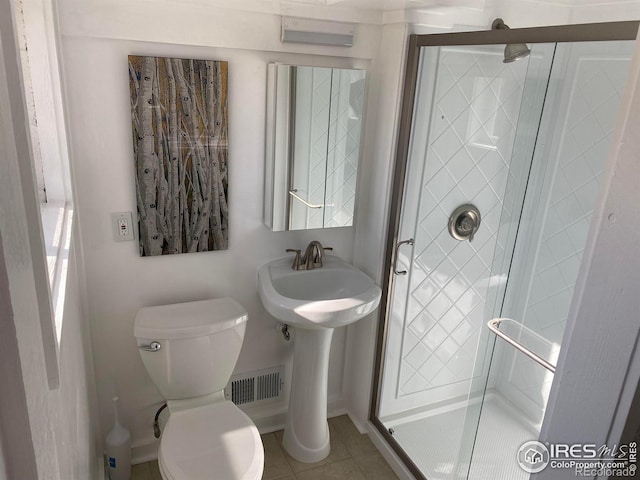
[(336, 406), (101, 467), (363, 427), (145, 453)]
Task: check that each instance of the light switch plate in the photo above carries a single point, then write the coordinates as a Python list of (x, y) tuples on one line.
[(122, 226)]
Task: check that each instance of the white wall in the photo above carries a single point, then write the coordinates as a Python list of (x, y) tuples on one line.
[(60, 419), (534, 13), (76, 413), (373, 207), (17, 456), (119, 282)]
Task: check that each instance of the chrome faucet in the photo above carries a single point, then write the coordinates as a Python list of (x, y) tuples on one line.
[(312, 257)]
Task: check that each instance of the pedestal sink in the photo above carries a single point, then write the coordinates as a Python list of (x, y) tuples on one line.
[(314, 302)]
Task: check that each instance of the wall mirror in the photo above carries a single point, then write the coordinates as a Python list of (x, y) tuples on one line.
[(313, 135)]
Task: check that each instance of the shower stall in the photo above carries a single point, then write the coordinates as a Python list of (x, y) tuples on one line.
[(503, 142)]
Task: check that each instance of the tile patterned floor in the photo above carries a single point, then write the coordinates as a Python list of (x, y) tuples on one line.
[(352, 457)]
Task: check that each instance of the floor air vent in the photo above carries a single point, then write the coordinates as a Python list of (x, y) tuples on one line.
[(256, 386)]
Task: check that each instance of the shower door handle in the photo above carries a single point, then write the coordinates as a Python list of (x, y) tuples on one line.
[(395, 260), (494, 326)]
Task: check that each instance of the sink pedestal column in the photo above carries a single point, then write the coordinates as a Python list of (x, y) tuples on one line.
[(306, 435)]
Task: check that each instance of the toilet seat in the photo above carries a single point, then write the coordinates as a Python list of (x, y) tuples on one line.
[(213, 441)]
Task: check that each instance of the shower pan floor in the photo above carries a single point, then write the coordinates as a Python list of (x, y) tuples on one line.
[(433, 441)]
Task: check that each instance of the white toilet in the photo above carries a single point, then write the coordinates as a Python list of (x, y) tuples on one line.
[(190, 350)]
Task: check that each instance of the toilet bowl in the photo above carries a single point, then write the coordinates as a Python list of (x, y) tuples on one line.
[(190, 350)]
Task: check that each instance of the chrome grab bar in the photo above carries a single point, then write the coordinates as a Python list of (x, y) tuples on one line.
[(297, 197), (152, 347), (395, 260), (493, 326)]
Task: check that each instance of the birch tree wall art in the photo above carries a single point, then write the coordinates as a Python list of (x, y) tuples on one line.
[(179, 120)]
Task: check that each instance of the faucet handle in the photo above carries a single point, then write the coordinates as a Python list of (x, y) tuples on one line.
[(320, 254), (296, 259)]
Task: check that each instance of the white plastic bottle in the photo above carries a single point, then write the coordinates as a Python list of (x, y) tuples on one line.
[(118, 445)]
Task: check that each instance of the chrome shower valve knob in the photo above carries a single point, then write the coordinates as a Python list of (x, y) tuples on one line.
[(464, 222)]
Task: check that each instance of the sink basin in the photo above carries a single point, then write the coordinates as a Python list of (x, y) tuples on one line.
[(334, 295), (315, 302)]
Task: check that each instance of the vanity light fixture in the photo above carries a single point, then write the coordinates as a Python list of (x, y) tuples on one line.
[(319, 32)]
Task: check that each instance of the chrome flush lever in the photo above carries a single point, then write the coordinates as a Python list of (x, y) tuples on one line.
[(395, 261), (152, 347)]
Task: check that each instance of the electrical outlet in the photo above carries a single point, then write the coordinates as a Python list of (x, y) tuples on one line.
[(122, 226)]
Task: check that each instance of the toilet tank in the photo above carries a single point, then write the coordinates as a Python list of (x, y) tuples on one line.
[(199, 345)]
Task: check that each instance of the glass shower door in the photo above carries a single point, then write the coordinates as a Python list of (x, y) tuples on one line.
[(581, 104), (473, 133)]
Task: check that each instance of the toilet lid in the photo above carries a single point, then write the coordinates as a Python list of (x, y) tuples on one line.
[(211, 442)]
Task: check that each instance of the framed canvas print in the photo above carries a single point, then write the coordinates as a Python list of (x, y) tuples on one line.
[(179, 123)]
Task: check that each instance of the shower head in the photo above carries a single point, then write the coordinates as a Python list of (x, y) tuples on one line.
[(513, 51)]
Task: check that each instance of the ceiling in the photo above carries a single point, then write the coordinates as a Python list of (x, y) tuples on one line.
[(442, 13), (391, 5), (383, 5)]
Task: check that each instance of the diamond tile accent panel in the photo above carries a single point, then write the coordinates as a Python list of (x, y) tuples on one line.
[(581, 158), (475, 111), (594, 93)]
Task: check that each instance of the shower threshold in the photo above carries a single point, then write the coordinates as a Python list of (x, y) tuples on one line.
[(433, 439)]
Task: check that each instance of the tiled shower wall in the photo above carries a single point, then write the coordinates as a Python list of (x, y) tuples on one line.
[(594, 90), (588, 100), (472, 129)]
